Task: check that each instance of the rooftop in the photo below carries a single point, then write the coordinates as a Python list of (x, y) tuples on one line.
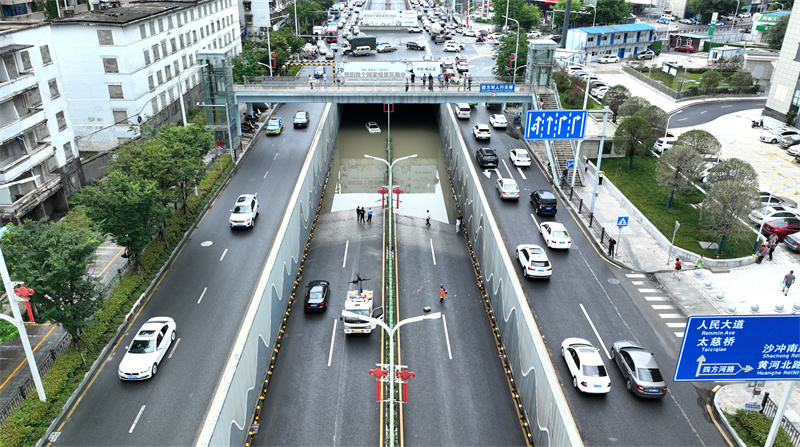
[(127, 13), (616, 28)]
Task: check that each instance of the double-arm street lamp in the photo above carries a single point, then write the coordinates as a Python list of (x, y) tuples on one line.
[(516, 50), (180, 92)]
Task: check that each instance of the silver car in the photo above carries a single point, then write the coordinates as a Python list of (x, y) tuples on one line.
[(639, 368)]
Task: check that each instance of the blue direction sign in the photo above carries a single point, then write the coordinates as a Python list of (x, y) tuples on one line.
[(570, 164), (622, 221), (499, 88), (555, 124), (740, 347)]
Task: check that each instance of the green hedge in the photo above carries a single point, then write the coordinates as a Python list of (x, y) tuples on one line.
[(753, 428), (28, 423)]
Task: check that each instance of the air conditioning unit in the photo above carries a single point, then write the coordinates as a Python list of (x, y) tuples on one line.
[(68, 13)]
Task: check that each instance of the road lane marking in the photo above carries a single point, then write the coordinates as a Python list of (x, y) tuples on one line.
[(333, 337), (679, 334), (535, 222), (665, 316), (137, 419), (433, 253), (275, 157), (637, 283), (447, 337), (174, 347), (634, 275), (655, 298), (505, 165), (676, 324), (648, 290), (223, 254), (597, 334), (519, 169), (344, 259), (265, 174), (202, 295), (663, 306), (704, 111)]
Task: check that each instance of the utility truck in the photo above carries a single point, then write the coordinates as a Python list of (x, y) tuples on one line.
[(360, 303)]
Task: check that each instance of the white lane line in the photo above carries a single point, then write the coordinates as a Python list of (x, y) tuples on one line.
[(174, 347), (505, 165), (637, 283), (673, 325), (447, 337), (202, 295), (634, 275), (333, 337), (663, 306), (137, 419), (655, 298), (522, 174), (704, 111), (725, 107), (666, 316), (535, 222), (344, 259), (433, 253), (679, 334), (275, 157), (648, 290), (223, 254), (597, 334), (265, 174)]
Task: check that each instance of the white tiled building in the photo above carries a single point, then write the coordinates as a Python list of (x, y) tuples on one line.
[(39, 167), (784, 95), (620, 40), (131, 64)]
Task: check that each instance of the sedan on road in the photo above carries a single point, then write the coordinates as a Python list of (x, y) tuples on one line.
[(646, 55), (317, 296), (608, 59), (274, 126), (244, 212), (482, 132), (533, 261), (639, 368), (147, 349), (508, 188), (415, 29), (585, 366), (415, 46), (555, 235), (498, 120), (385, 47), (373, 127), (685, 48), (520, 157), (301, 119)]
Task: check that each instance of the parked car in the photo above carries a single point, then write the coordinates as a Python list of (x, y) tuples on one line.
[(770, 213), (793, 241), (608, 59), (768, 199), (508, 189), (599, 92), (534, 262), (482, 132), (585, 365), (686, 21), (544, 201), (649, 54), (639, 369), (663, 20), (789, 141), (775, 135), (415, 46), (782, 227), (743, 15), (685, 48), (487, 157)]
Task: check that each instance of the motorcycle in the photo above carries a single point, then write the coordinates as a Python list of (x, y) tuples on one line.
[(759, 123)]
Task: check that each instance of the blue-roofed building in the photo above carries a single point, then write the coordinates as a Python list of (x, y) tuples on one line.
[(621, 40)]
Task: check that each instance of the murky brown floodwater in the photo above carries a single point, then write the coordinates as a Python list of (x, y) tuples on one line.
[(355, 179)]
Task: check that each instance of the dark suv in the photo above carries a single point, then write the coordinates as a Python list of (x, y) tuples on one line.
[(486, 157), (415, 46), (545, 201)]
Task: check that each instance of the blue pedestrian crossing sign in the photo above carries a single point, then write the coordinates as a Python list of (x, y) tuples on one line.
[(570, 164), (622, 221)]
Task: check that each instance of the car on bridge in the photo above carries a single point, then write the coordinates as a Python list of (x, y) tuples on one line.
[(244, 212), (534, 261), (385, 47), (555, 235), (520, 157), (317, 296), (639, 368), (481, 132), (415, 46), (147, 349), (487, 157), (274, 126), (415, 29), (585, 365), (508, 188)]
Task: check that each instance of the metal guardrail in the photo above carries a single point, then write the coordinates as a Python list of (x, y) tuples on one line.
[(28, 386), (583, 209), (770, 409)]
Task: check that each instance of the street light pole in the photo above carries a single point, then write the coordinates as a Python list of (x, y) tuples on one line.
[(505, 27), (268, 66), (180, 92), (669, 118), (390, 332), (516, 50)]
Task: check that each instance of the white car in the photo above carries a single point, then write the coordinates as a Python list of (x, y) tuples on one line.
[(555, 235), (498, 120), (470, 33), (743, 15), (147, 349), (244, 212), (585, 366), (533, 261), (775, 135), (599, 92), (673, 28), (373, 127), (770, 213), (609, 59), (415, 29), (450, 46), (686, 21), (520, 157), (482, 132), (508, 189)]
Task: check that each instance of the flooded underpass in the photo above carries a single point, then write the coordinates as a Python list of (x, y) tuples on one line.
[(356, 180)]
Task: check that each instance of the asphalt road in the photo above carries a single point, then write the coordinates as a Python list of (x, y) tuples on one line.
[(590, 298), (706, 112), (206, 290)]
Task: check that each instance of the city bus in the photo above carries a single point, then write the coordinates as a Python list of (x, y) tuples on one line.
[(331, 33), (335, 10)]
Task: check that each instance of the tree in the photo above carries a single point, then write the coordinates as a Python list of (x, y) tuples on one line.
[(777, 32), (656, 117), (51, 259), (701, 141), (562, 80), (733, 169), (615, 97), (308, 13), (677, 169), (632, 105), (633, 134), (528, 16), (575, 20), (246, 63), (704, 8), (502, 65), (186, 146), (611, 12), (710, 79), (741, 79), (725, 205), (125, 206)]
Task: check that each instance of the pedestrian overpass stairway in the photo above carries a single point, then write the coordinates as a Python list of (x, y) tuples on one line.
[(562, 149)]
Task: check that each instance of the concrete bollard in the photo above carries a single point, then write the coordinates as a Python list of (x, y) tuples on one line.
[(779, 307), (754, 308), (698, 273), (796, 307), (731, 309), (720, 296), (708, 284)]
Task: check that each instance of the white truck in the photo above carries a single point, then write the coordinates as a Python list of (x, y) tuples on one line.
[(360, 303)]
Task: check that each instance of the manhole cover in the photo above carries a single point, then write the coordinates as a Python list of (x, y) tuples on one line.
[(206, 243), (613, 281)]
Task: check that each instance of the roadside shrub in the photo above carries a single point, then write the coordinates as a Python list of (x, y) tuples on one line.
[(753, 428)]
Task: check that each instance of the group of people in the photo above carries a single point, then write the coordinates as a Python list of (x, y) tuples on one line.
[(766, 249), (361, 213)]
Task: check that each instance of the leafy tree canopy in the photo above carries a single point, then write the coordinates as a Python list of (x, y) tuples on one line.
[(632, 105), (502, 65), (677, 169), (733, 169), (527, 14), (656, 117), (726, 204), (633, 134), (701, 141), (615, 97), (704, 8), (777, 32), (611, 12)]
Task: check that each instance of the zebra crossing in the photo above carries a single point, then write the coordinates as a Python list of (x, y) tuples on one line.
[(658, 302)]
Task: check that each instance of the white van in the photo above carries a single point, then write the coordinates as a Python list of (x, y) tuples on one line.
[(664, 143), (463, 110)]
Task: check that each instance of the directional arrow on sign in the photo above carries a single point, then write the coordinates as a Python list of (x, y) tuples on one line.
[(701, 362)]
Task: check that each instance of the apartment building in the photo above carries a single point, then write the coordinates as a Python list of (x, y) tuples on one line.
[(784, 94), (621, 40), (39, 166), (132, 63)]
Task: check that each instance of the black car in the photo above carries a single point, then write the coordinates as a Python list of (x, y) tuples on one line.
[(415, 46), (789, 141), (544, 201), (317, 296), (301, 119), (487, 157)]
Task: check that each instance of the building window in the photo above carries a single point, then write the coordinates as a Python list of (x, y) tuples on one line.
[(797, 55), (180, 38), (160, 77), (152, 28), (168, 72), (194, 36), (68, 151), (176, 66), (183, 60), (115, 92), (26, 60), (120, 117), (188, 39), (202, 32), (172, 95), (164, 99), (51, 164), (164, 47), (146, 57), (179, 20), (151, 83), (174, 45), (110, 65), (53, 89), (105, 37), (169, 22), (15, 10), (154, 105), (45, 50), (62, 123), (156, 53), (142, 31), (160, 25)]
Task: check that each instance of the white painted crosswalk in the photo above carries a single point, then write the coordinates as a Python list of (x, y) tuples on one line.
[(654, 297)]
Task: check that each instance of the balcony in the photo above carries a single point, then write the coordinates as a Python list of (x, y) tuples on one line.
[(15, 166)]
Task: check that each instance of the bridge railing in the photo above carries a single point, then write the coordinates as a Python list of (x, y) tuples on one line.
[(290, 82)]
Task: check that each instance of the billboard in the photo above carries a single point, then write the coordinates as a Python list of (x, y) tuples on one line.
[(386, 71), (372, 17)]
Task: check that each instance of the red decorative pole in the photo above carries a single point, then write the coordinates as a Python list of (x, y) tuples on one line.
[(378, 374), (25, 293), (404, 376), (397, 191), (383, 192)]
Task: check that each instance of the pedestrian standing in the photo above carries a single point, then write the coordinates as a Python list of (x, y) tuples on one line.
[(677, 271), (458, 224), (788, 280), (700, 260), (369, 216), (358, 213), (469, 83), (442, 292), (441, 83), (325, 79), (600, 177), (412, 76), (406, 84), (311, 82), (428, 218), (363, 213), (430, 80), (773, 243), (564, 175), (611, 244), (761, 253)]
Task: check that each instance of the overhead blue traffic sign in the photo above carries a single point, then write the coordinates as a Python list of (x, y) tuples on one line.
[(499, 88), (555, 124), (622, 221), (740, 347), (570, 164)]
